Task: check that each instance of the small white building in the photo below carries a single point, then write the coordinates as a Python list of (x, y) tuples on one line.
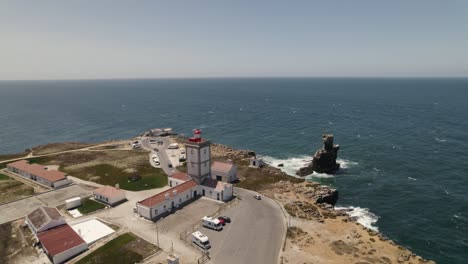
[(39, 173), (224, 171), (217, 190), (256, 163), (44, 218), (109, 195), (61, 243)]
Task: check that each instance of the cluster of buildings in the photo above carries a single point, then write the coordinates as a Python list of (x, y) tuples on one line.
[(39, 173), (202, 179), (59, 241)]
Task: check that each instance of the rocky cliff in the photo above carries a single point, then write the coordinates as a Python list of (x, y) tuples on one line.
[(324, 159)]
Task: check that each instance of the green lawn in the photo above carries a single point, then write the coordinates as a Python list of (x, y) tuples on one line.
[(126, 248), (88, 206), (110, 175), (3, 177)]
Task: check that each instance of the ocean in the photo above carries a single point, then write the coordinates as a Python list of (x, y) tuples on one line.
[(404, 142)]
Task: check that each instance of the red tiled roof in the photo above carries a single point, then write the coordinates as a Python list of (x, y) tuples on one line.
[(38, 170), (222, 166), (160, 197), (181, 176), (218, 185), (59, 239), (108, 191), (42, 216)]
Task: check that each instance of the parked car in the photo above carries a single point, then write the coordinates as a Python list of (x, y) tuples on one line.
[(157, 163), (257, 196), (152, 141), (225, 218), (221, 221), (156, 149)]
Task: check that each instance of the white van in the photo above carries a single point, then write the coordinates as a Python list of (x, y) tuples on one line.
[(211, 223), (201, 240), (173, 146)]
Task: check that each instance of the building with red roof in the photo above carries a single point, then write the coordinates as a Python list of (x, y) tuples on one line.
[(61, 243), (168, 201), (39, 173), (224, 171), (109, 195)]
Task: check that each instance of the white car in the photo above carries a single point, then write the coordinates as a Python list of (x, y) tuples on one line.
[(152, 141), (257, 196)]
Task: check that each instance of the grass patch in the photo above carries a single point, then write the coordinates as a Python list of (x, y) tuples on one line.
[(88, 206), (58, 147), (11, 189), (126, 248), (109, 168)]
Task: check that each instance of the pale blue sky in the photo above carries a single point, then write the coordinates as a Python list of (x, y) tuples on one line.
[(158, 39)]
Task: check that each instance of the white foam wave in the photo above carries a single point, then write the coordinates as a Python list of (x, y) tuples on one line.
[(292, 165), (346, 164), (362, 215), (412, 179), (319, 175), (440, 140)]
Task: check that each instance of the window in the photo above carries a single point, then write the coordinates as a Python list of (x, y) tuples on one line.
[(204, 151), (156, 211), (187, 196), (164, 208), (180, 200)]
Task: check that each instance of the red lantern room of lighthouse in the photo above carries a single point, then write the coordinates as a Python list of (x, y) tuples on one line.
[(196, 136)]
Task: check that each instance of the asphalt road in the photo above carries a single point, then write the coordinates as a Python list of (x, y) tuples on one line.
[(255, 234), (162, 155)]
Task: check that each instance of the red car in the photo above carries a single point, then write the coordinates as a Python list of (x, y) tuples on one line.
[(221, 221)]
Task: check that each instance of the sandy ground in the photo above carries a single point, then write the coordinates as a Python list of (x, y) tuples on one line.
[(326, 236)]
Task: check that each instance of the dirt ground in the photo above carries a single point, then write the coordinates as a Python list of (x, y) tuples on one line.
[(11, 190), (320, 235), (16, 244)]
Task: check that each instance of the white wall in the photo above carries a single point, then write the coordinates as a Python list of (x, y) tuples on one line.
[(117, 198), (61, 183), (179, 199), (62, 257)]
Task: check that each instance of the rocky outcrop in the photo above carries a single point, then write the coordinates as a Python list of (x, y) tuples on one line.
[(312, 191), (324, 160)]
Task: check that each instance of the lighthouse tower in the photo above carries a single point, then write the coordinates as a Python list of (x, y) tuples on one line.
[(198, 160)]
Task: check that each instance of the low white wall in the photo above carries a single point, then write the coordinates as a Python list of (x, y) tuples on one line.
[(62, 257)]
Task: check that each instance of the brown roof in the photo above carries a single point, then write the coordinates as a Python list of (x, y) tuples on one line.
[(43, 215), (59, 239), (38, 170), (108, 191), (218, 185), (160, 197), (181, 176), (222, 166)]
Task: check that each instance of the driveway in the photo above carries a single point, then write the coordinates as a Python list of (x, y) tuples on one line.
[(162, 155), (255, 234)]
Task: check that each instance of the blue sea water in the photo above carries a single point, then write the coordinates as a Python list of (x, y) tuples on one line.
[(404, 142)]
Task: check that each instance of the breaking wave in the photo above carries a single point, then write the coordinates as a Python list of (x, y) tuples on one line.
[(362, 215), (292, 165)]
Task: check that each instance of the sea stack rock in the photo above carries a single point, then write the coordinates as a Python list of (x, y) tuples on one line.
[(324, 159)]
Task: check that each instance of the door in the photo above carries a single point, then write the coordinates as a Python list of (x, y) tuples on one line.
[(172, 203), (203, 192), (194, 193)]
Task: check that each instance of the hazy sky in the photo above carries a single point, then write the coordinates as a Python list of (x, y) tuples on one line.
[(152, 39)]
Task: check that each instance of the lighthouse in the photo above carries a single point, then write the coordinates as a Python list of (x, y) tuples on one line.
[(198, 154)]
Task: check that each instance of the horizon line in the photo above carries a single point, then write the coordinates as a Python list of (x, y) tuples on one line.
[(238, 77)]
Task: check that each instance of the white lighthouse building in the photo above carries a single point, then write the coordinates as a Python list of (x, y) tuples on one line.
[(198, 160)]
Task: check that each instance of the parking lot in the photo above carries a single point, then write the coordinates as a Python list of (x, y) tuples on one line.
[(254, 235)]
